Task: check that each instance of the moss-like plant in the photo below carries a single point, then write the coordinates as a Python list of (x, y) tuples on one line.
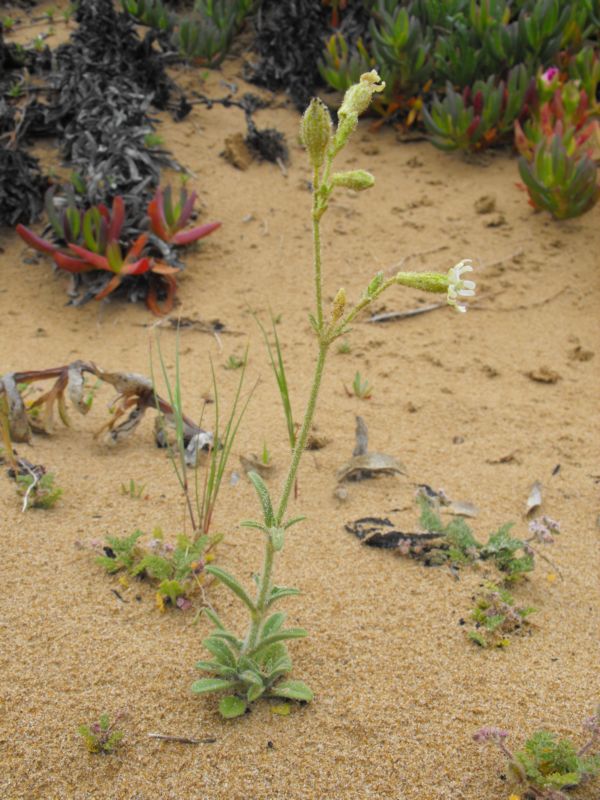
[(256, 664)]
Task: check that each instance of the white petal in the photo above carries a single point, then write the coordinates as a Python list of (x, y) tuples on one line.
[(466, 293)]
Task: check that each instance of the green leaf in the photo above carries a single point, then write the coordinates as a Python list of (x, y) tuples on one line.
[(280, 636), (293, 690), (232, 584), (232, 706), (220, 651), (274, 623), (214, 618), (277, 538), (250, 523), (251, 677), (293, 521), (228, 637), (278, 592), (254, 692), (214, 666), (476, 637), (205, 685), (264, 497)]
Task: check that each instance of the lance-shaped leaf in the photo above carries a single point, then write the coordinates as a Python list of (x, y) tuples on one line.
[(187, 237), (35, 241), (279, 636), (264, 497), (205, 685), (279, 592), (220, 651), (232, 584), (293, 690)]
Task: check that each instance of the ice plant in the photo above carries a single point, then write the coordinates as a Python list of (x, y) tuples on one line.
[(255, 664), (167, 218)]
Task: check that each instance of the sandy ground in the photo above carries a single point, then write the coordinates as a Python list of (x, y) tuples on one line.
[(399, 689)]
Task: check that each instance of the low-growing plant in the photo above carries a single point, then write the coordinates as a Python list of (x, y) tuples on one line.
[(481, 115), (547, 765), (234, 362), (133, 489), (102, 736), (92, 240), (565, 185), (8, 23), (152, 13), (496, 616), (176, 570), (361, 388), (257, 663), (37, 488), (455, 543)]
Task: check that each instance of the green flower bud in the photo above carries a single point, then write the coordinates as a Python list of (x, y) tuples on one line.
[(424, 281), (339, 304), (375, 284), (356, 100), (357, 179), (358, 97), (316, 131)]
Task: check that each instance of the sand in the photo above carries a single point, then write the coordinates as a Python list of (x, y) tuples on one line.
[(399, 688)]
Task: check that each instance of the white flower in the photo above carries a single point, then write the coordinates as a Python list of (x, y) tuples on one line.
[(457, 287)]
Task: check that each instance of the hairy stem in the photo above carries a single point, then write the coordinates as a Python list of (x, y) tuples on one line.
[(317, 251), (261, 601)]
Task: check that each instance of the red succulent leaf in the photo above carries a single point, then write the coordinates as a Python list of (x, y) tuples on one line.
[(157, 216), (152, 300), (71, 264), (160, 268), (113, 283), (104, 211), (136, 267), (186, 209), (35, 241), (187, 237), (137, 247), (117, 219), (97, 261), (473, 126)]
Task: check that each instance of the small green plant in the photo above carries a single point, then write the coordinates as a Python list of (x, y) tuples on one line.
[(38, 43), (456, 544), (8, 23), (16, 90), (38, 489), (176, 570), (151, 13), (102, 736), (153, 140), (344, 347), (548, 765), (496, 617), (133, 489), (234, 362), (265, 456), (361, 388), (256, 664)]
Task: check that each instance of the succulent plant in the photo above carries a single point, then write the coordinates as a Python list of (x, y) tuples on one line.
[(565, 185)]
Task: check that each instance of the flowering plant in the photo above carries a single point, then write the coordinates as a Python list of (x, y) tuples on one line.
[(245, 668)]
